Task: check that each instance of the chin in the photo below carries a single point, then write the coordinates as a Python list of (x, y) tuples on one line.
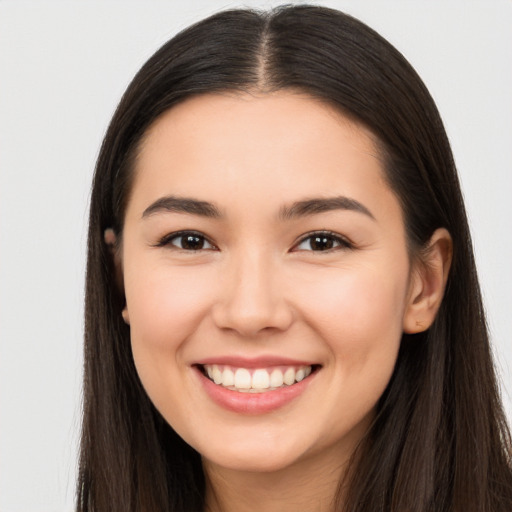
[(249, 464), (249, 459)]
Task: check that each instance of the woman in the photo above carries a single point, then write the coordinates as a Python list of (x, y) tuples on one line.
[(282, 305)]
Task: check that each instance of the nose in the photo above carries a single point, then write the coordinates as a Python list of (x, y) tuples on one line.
[(252, 299)]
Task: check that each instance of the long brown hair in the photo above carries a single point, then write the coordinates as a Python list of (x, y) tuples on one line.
[(440, 440)]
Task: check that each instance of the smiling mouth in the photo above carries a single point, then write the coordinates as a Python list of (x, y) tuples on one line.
[(256, 380)]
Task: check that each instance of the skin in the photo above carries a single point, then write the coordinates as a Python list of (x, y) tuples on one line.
[(257, 287)]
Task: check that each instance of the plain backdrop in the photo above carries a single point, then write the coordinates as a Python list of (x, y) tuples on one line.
[(63, 68)]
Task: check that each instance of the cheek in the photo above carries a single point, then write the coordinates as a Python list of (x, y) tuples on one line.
[(165, 308), (358, 313), (359, 318)]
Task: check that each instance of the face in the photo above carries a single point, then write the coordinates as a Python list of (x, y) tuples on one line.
[(266, 278)]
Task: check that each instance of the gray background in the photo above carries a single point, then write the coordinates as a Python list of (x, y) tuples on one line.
[(63, 67)]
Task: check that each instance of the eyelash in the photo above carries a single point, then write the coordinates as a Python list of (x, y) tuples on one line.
[(167, 240), (327, 237)]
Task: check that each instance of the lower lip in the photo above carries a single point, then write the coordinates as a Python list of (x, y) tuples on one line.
[(253, 403)]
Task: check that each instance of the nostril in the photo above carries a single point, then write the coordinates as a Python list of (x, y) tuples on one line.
[(252, 321)]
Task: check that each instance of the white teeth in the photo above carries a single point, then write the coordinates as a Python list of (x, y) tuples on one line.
[(300, 375), (289, 376), (242, 379), (217, 374), (228, 377), (261, 379), (276, 379)]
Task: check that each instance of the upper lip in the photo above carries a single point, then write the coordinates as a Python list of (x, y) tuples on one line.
[(252, 362)]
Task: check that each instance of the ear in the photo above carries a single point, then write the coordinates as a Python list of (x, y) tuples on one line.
[(428, 282), (111, 240), (125, 314)]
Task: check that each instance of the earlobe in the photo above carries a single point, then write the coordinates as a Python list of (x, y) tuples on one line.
[(126, 316), (428, 282), (110, 239)]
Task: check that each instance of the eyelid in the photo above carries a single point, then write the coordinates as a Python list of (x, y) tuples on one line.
[(165, 241), (344, 242)]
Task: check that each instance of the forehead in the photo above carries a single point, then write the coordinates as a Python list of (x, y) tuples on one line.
[(270, 121), (245, 147)]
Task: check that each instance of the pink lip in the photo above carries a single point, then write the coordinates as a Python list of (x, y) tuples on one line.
[(252, 403), (255, 362)]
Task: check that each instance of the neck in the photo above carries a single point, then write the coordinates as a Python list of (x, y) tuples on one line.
[(309, 486)]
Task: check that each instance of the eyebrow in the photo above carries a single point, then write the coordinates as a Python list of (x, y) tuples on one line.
[(182, 205), (320, 205), (302, 208)]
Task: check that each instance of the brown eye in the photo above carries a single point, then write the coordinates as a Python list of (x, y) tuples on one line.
[(187, 241), (192, 242), (319, 242)]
